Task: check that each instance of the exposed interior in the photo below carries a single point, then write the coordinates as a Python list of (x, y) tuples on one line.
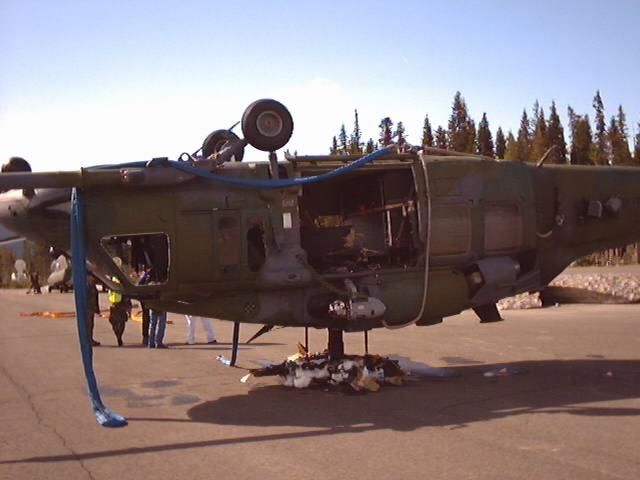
[(364, 220), (133, 254)]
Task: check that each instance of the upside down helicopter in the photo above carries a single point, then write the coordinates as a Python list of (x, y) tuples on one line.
[(347, 243)]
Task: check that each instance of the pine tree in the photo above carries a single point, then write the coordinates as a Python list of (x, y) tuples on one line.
[(427, 135), (400, 135), (386, 135), (622, 123), (535, 116), (471, 136), (38, 259), (461, 129), (334, 146), (524, 138), (371, 146), (581, 141), (501, 143), (7, 259), (485, 142), (636, 150), (343, 145), (555, 137), (355, 144), (540, 143), (620, 154), (512, 152), (573, 121), (441, 138), (600, 144)]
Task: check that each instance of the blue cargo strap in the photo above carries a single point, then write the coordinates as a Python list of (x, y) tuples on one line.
[(105, 417)]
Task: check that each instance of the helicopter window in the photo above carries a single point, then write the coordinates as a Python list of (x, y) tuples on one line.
[(134, 253), (229, 242), (502, 228), (450, 230), (256, 252)]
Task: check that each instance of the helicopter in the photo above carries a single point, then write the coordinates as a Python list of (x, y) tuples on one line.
[(397, 237)]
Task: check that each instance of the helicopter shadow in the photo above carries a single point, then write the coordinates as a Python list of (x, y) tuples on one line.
[(457, 400), (452, 401)]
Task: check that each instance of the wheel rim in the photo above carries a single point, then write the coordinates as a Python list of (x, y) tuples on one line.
[(269, 123)]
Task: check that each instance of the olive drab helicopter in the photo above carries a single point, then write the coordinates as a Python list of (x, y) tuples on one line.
[(398, 237)]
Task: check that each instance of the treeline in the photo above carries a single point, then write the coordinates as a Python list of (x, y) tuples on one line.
[(604, 144)]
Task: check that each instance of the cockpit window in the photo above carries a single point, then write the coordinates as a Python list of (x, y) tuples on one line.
[(135, 254)]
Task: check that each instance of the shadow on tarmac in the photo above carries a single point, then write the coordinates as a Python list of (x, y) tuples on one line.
[(550, 387)]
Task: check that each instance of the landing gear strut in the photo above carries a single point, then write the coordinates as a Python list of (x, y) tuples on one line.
[(336, 344)]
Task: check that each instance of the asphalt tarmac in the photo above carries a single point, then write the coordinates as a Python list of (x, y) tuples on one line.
[(572, 412)]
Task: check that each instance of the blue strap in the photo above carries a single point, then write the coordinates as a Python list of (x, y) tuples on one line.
[(279, 183), (258, 182), (105, 417)]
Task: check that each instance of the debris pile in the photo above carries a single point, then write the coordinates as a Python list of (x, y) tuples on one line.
[(623, 286), (361, 372)]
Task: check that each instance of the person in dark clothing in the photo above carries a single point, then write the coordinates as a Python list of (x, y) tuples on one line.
[(93, 307), (144, 279), (34, 280), (157, 327), (145, 324), (118, 314), (35, 283)]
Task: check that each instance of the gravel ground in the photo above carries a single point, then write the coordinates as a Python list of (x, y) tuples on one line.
[(625, 285)]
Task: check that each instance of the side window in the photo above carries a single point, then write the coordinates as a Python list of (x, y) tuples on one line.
[(229, 243), (256, 251), (450, 229), (132, 254), (502, 228)]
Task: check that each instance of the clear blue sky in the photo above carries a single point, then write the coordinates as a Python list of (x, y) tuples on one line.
[(85, 82)]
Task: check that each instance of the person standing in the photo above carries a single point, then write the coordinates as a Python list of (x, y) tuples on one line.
[(35, 283), (144, 279), (157, 325), (93, 307), (118, 314), (146, 318), (191, 329)]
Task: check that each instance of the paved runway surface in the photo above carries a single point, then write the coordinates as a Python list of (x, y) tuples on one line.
[(575, 413)]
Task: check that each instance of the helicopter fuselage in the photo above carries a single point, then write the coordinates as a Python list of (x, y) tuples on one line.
[(407, 239)]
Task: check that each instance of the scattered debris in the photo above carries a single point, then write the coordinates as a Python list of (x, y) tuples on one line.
[(361, 372), (223, 360), (49, 314), (503, 371), (422, 370)]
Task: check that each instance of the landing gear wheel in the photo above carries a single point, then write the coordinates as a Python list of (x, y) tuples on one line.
[(267, 125), (16, 164), (217, 140)]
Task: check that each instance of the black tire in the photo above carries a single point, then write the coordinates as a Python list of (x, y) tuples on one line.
[(267, 125), (16, 164), (217, 140)]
